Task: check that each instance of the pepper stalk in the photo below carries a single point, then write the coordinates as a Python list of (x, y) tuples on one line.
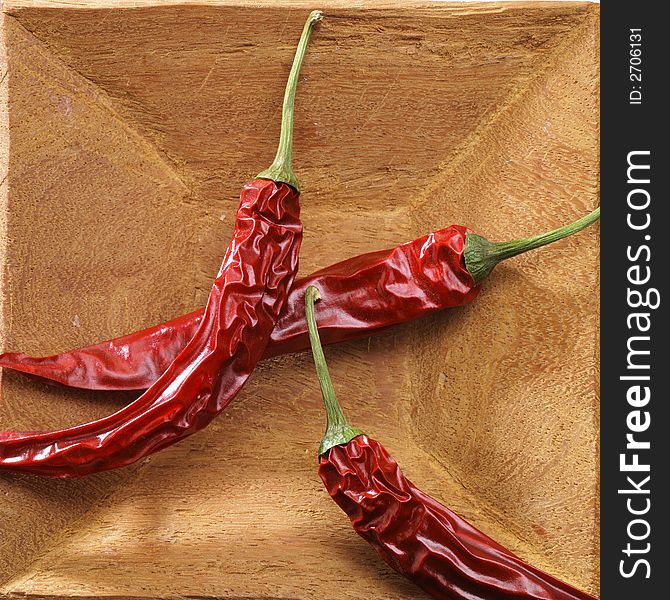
[(482, 256), (338, 429), (281, 170)]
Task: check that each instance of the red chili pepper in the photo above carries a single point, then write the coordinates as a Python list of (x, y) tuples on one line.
[(244, 304), (410, 531), (364, 295)]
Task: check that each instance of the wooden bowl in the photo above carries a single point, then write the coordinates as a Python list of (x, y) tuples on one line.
[(128, 131)]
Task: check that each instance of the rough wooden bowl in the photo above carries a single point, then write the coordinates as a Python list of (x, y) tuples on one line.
[(128, 132)]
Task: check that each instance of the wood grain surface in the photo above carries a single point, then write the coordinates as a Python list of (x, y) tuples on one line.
[(127, 132)]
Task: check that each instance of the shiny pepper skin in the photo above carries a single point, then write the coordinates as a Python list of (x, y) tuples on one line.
[(422, 539), (362, 296), (246, 299)]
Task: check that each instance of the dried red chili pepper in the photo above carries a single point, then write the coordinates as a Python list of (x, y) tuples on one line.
[(410, 531), (364, 295), (245, 301)]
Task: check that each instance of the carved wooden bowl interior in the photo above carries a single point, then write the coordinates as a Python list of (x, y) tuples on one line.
[(128, 133)]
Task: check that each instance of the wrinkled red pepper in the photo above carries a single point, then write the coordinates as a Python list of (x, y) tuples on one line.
[(244, 304), (413, 533), (364, 295)]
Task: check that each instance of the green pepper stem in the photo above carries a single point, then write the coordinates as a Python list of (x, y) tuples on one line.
[(281, 169), (481, 256), (338, 429)]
